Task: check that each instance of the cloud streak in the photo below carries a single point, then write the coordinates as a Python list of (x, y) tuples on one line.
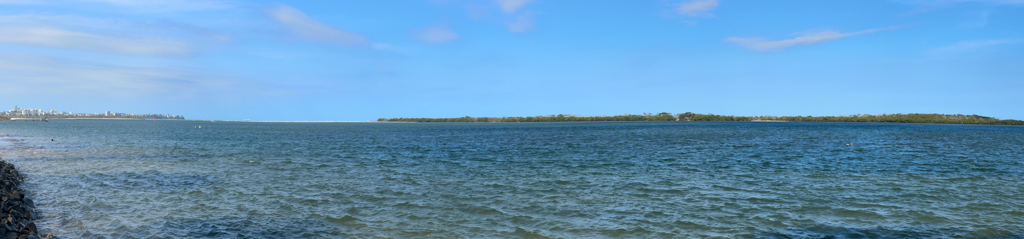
[(436, 35), (21, 2), (139, 5), (511, 6), (168, 5), (697, 8), (521, 24), (30, 73), (762, 44), (311, 29), (61, 38), (108, 35)]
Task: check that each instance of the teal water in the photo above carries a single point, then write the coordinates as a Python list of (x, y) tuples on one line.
[(167, 179)]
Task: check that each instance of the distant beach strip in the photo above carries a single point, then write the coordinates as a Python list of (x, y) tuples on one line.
[(688, 116)]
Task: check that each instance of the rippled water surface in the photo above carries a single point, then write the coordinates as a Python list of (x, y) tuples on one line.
[(167, 179)]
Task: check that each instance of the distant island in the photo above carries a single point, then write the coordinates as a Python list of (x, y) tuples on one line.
[(39, 114), (688, 116)]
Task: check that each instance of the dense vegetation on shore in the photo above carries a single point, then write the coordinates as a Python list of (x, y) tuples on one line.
[(688, 116)]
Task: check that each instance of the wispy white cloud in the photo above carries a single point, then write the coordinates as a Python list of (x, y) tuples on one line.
[(973, 45), (511, 6), (810, 38), (169, 5), (385, 47), (30, 73), (979, 21), (190, 30), (522, 24), (697, 8), (107, 35), (63, 21), (519, 22), (60, 38), (21, 2), (477, 11), (436, 35), (312, 29), (140, 5)]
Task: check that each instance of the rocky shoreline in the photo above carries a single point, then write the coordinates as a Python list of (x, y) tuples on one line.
[(16, 211)]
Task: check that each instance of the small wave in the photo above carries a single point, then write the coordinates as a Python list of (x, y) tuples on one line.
[(822, 231)]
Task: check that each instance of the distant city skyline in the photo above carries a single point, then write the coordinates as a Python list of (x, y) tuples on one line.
[(363, 60), (40, 113)]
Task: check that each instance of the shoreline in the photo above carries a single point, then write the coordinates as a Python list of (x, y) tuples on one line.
[(106, 119)]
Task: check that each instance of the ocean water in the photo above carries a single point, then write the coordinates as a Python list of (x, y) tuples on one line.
[(169, 179)]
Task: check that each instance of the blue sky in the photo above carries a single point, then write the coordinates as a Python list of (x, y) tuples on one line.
[(360, 60)]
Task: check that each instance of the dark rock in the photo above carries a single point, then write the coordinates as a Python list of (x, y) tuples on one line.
[(16, 217)]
